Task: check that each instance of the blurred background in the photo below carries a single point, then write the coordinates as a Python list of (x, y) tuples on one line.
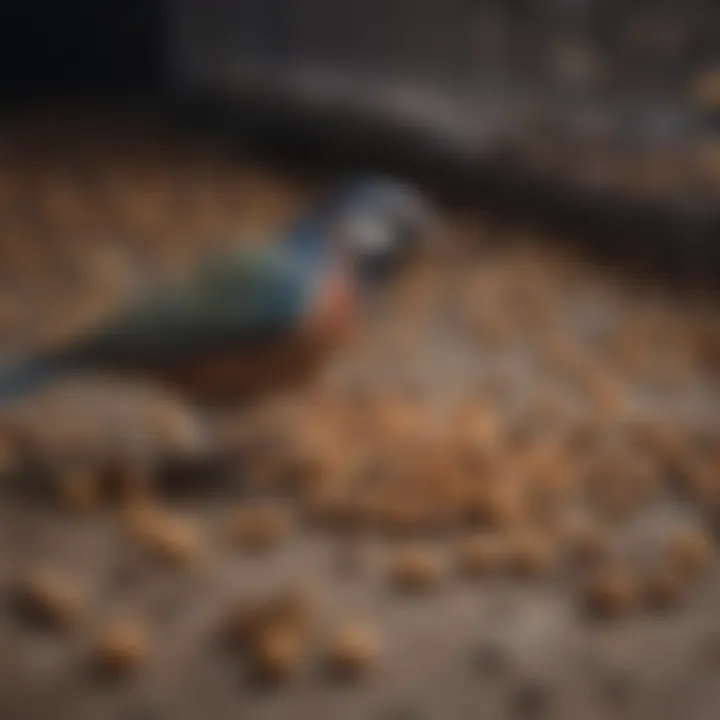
[(501, 496), (595, 115)]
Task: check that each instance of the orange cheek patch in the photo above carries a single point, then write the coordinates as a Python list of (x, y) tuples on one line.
[(333, 311)]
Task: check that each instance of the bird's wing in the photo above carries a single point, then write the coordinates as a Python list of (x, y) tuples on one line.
[(246, 297)]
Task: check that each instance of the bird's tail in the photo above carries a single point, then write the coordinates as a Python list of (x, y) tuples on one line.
[(27, 376)]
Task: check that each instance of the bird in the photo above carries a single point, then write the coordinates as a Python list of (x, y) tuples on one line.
[(255, 318)]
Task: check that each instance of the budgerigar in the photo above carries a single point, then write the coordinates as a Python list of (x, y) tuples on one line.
[(259, 316)]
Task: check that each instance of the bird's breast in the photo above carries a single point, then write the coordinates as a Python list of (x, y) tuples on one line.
[(247, 370), (333, 309)]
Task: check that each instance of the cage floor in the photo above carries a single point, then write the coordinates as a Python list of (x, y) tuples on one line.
[(500, 322)]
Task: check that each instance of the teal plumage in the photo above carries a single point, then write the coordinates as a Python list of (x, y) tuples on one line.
[(247, 301), (244, 297)]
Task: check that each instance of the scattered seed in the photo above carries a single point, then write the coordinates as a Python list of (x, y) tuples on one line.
[(47, 599), (276, 653), (259, 529), (169, 539), (416, 569), (690, 551), (611, 592), (119, 648), (352, 651), (481, 554)]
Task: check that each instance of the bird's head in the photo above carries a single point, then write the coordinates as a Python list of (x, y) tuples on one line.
[(380, 223)]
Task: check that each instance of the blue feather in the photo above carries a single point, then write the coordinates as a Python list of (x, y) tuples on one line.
[(311, 237), (28, 376), (236, 300)]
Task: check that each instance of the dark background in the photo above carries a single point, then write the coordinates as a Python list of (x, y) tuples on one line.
[(81, 46), (53, 50)]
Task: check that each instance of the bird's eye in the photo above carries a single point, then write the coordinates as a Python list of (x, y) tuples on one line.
[(368, 235)]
